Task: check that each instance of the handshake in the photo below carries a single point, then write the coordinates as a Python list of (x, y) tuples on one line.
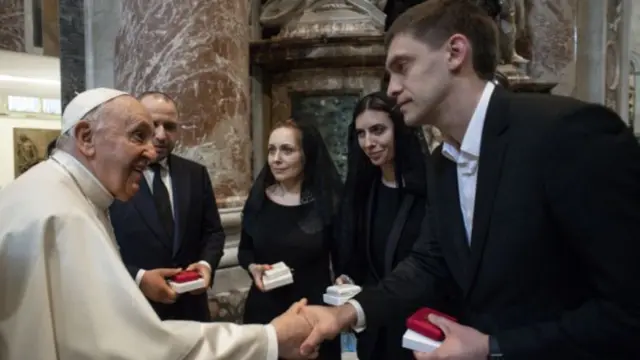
[(302, 328)]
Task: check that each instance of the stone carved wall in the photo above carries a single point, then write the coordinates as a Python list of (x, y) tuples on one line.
[(316, 18), (352, 80)]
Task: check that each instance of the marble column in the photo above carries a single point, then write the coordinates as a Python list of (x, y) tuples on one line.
[(197, 51), (603, 53), (72, 49), (100, 30), (591, 36), (619, 56), (12, 25)]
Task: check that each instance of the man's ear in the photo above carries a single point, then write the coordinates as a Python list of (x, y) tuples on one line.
[(458, 48), (84, 135)]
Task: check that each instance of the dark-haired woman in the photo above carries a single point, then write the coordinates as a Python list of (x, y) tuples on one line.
[(382, 209), (288, 217)]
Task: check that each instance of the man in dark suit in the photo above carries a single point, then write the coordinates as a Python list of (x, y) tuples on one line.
[(172, 223), (534, 212)]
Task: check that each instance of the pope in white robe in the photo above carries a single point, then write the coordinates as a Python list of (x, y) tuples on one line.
[(64, 292)]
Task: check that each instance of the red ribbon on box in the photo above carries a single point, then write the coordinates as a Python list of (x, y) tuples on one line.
[(419, 322), (186, 276)]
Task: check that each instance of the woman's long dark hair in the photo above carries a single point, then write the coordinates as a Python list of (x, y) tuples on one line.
[(409, 165), (408, 160), (321, 182)]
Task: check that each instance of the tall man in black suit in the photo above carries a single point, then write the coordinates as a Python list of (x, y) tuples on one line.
[(533, 228), (172, 223)]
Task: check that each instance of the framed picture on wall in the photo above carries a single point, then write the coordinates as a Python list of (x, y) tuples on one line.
[(30, 147)]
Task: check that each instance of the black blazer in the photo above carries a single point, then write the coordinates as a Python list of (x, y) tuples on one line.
[(198, 233), (358, 262), (385, 343), (552, 270)]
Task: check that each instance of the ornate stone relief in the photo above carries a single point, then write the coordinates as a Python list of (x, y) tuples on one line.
[(512, 22), (318, 18), (510, 17)]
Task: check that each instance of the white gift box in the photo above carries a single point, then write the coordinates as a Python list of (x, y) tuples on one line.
[(278, 276), (276, 270), (416, 342), (339, 294), (187, 286)]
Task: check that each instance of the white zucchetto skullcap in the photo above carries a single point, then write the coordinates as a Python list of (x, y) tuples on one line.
[(83, 103)]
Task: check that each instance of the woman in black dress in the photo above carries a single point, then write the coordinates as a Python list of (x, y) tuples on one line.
[(382, 209), (288, 217)]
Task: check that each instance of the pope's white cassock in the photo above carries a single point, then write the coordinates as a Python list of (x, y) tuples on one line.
[(65, 294)]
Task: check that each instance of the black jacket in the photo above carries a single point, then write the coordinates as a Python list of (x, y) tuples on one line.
[(144, 244), (552, 269)]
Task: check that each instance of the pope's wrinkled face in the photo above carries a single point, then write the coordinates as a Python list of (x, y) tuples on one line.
[(119, 145), (419, 77), (285, 154), (375, 136)]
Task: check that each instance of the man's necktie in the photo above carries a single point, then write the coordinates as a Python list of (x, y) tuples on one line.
[(162, 200)]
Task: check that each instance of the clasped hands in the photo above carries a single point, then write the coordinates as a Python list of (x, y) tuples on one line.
[(303, 328)]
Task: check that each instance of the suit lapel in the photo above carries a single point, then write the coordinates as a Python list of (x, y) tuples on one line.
[(143, 202), (367, 238), (492, 150), (181, 191), (396, 231), (452, 235)]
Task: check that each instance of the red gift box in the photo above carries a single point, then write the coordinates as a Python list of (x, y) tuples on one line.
[(419, 322), (186, 276)]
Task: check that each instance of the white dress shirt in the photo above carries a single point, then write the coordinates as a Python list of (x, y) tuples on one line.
[(467, 158), (149, 176)]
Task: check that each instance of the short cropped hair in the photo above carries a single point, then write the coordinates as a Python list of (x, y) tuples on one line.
[(159, 94), (434, 21)]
